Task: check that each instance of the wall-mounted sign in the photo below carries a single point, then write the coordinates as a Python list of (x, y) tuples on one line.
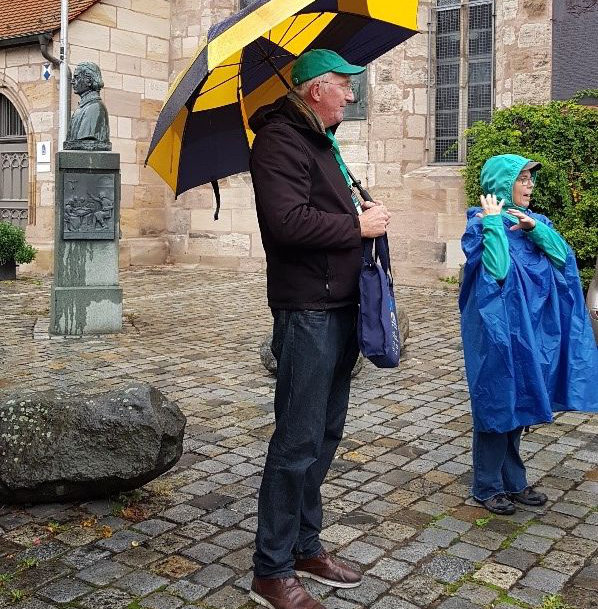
[(47, 71), (43, 157)]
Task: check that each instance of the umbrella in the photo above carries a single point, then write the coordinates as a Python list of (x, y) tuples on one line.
[(202, 133)]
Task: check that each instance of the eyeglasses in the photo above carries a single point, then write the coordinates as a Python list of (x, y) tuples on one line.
[(348, 87), (525, 181)]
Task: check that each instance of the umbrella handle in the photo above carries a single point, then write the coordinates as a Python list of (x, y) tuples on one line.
[(362, 191)]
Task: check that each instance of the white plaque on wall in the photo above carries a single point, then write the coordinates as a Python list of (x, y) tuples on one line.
[(44, 153)]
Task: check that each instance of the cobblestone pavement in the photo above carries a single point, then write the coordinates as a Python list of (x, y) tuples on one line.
[(396, 498)]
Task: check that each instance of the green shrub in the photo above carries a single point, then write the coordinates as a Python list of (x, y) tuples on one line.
[(13, 246), (563, 136)]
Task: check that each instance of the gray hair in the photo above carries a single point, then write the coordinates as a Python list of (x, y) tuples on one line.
[(302, 89), (91, 71)]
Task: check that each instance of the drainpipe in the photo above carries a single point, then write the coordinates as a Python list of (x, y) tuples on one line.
[(44, 43), (65, 80)]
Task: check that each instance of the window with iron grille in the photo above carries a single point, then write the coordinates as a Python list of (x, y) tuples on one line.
[(461, 73), (11, 125)]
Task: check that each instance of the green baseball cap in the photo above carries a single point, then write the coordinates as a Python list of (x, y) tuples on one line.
[(320, 61)]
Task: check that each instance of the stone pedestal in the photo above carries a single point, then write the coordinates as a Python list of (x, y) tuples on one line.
[(86, 297)]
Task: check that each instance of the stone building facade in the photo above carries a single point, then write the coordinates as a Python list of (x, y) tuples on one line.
[(141, 45)]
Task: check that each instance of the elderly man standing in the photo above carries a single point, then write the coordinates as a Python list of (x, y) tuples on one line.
[(312, 227)]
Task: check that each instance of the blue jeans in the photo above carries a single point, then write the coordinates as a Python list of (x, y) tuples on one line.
[(497, 466), (316, 352)]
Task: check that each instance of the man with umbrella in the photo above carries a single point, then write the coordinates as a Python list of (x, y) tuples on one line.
[(312, 227)]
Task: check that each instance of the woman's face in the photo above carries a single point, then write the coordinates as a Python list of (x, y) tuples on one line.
[(522, 189)]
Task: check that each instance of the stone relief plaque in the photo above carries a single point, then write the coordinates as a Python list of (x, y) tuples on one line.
[(88, 201)]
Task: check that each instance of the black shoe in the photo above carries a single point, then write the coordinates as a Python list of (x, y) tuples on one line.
[(528, 496), (499, 504)]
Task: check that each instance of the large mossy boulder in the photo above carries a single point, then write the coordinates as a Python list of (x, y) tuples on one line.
[(59, 446)]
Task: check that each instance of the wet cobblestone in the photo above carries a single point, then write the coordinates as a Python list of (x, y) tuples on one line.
[(396, 498)]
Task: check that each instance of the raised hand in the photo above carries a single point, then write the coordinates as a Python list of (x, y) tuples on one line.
[(525, 222), (489, 206)]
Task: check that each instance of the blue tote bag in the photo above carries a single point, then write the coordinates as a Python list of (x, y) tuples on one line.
[(377, 324)]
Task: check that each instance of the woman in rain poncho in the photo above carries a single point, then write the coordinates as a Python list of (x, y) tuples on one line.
[(528, 344)]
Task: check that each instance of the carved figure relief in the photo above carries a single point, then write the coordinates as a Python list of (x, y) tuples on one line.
[(88, 206)]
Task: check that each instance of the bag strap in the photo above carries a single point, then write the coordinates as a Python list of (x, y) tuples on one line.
[(379, 245), (368, 253), (382, 254)]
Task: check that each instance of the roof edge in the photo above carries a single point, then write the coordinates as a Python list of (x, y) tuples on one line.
[(19, 41)]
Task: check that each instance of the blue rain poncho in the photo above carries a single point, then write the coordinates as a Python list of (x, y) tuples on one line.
[(528, 344)]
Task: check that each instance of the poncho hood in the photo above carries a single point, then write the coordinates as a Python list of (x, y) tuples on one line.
[(499, 174)]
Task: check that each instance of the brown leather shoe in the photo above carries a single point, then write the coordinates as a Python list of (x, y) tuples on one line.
[(282, 593), (328, 570)]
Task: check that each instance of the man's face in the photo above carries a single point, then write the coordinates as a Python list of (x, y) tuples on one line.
[(331, 96), (522, 189), (80, 81)]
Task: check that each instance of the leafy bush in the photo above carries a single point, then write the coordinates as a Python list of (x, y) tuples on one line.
[(13, 246), (563, 136)]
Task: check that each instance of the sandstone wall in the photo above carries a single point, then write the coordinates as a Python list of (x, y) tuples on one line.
[(129, 40), (523, 52), (141, 45)]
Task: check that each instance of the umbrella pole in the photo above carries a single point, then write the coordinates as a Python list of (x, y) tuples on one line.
[(272, 65), (357, 183)]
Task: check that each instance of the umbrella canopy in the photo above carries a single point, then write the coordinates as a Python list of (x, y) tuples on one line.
[(202, 133)]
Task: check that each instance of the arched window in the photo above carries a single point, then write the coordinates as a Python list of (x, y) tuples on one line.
[(14, 165)]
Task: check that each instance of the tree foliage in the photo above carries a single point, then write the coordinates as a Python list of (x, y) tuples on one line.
[(563, 136)]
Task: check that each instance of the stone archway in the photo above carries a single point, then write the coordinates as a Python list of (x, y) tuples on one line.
[(14, 166)]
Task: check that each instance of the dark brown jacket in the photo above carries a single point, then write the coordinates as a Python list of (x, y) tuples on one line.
[(309, 225)]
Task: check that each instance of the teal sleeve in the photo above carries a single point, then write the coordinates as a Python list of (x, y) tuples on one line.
[(495, 258), (550, 242)]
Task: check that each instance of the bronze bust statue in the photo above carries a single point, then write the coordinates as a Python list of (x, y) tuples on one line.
[(89, 128)]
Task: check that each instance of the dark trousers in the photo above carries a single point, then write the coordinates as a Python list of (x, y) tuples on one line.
[(316, 352), (497, 466)]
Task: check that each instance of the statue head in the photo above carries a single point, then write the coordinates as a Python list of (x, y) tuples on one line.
[(89, 128), (87, 77)]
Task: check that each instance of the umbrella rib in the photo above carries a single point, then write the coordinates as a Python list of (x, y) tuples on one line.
[(301, 30), (238, 64), (295, 17), (237, 75), (288, 54), (272, 65), (216, 86)]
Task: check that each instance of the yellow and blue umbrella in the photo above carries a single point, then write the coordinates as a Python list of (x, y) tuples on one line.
[(202, 133)]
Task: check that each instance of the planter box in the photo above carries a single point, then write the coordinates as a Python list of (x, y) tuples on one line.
[(8, 271)]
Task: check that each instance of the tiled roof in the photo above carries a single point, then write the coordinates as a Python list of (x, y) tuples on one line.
[(27, 17)]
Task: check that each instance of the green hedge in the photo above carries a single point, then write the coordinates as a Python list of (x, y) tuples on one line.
[(13, 247), (563, 136)]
